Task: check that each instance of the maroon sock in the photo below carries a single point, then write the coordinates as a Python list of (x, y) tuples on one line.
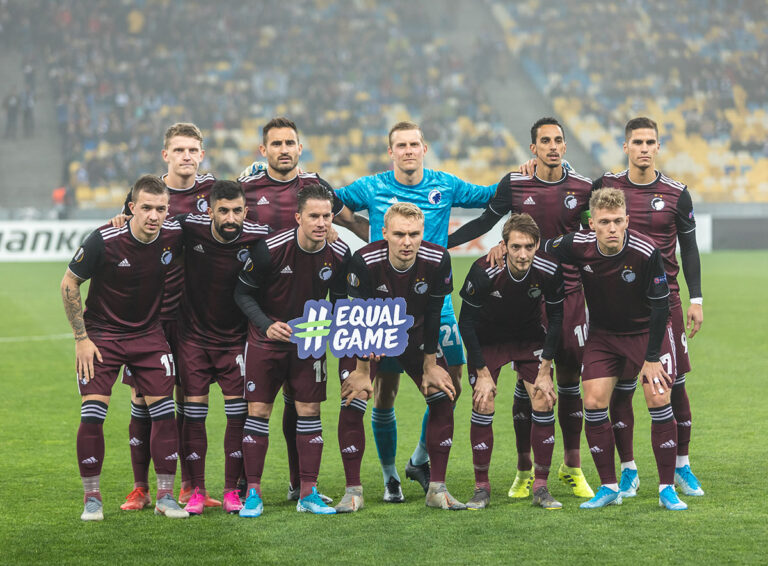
[(439, 434), (664, 441), (195, 442), (570, 413), (352, 440), (236, 411), (682, 409), (255, 444), (309, 444), (543, 441), (521, 415), (623, 419), (163, 441), (183, 464), (601, 443), (90, 448), (481, 438), (139, 432), (290, 417)]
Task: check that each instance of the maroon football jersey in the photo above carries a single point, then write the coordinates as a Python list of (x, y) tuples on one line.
[(193, 200), (210, 317), (617, 287), (510, 309), (556, 207), (661, 210), (273, 203), (127, 278), (371, 276), (285, 277)]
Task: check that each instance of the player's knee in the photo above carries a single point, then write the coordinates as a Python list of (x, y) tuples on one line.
[(488, 409), (308, 409), (566, 376), (261, 410)]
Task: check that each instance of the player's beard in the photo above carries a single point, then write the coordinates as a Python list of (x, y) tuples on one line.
[(229, 236)]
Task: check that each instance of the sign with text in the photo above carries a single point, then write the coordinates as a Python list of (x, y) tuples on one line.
[(355, 327)]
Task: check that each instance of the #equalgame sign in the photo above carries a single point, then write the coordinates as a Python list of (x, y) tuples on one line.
[(354, 328)]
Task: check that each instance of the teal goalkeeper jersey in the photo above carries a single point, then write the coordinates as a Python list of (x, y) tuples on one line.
[(437, 193)]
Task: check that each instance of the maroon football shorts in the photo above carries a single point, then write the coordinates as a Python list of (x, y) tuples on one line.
[(622, 356), (171, 332), (149, 357), (199, 367), (267, 370), (523, 355), (677, 320), (570, 353)]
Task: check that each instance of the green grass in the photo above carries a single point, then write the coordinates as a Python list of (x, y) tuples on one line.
[(41, 495)]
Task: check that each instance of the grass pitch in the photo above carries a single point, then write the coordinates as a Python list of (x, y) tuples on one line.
[(41, 495)]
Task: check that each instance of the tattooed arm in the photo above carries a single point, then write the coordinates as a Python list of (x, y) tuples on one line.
[(85, 350)]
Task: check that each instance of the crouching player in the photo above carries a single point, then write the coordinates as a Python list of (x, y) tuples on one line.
[(501, 322), (626, 291), (285, 271), (402, 265)]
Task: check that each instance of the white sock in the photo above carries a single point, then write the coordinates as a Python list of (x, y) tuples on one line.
[(611, 486), (663, 486), (681, 461), (628, 465)]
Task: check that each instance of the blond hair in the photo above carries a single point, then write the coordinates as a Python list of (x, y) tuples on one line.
[(406, 209), (607, 198), (185, 129)]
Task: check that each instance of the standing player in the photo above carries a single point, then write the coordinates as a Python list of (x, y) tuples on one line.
[(212, 333), (558, 200), (183, 153), (434, 192), (501, 322), (127, 267), (402, 265), (271, 196), (626, 290), (660, 208), (286, 270)]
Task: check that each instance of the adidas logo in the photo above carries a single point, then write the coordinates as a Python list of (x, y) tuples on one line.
[(382, 288), (496, 294), (262, 201), (529, 200), (519, 417), (481, 446), (577, 415), (550, 440), (447, 442), (174, 456), (620, 425), (668, 444), (350, 450), (135, 442), (194, 457), (236, 454), (90, 460), (124, 263), (199, 248), (588, 269), (684, 423), (248, 440), (316, 440), (596, 450), (393, 200), (287, 270)]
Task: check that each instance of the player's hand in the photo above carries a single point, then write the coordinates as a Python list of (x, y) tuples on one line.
[(332, 235), (85, 350), (496, 255), (528, 168), (356, 386), (279, 331), (437, 379), (119, 220), (695, 319), (484, 391), (544, 386), (656, 377)]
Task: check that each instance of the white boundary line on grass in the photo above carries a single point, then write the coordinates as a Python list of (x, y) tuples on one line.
[(15, 339)]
